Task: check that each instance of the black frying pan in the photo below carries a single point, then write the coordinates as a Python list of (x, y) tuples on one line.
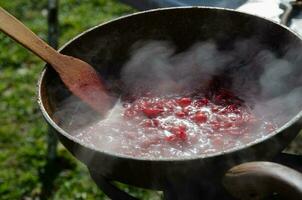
[(107, 47)]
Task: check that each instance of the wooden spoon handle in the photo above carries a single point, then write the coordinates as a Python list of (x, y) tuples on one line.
[(19, 32), (80, 77), (259, 180)]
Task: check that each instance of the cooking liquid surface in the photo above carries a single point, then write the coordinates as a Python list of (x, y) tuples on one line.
[(176, 126)]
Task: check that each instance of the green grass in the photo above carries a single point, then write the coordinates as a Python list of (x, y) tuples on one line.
[(23, 132)]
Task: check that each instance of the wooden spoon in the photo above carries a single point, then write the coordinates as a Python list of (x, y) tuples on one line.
[(77, 75)]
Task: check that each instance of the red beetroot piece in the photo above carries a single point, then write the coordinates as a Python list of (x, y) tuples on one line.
[(183, 102), (180, 132), (202, 102), (180, 114), (152, 112), (200, 117)]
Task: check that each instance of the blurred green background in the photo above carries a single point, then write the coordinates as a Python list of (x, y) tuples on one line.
[(23, 132)]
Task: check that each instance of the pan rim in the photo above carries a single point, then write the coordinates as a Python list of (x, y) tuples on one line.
[(46, 116)]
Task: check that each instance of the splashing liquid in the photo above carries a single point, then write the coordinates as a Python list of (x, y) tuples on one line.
[(174, 126)]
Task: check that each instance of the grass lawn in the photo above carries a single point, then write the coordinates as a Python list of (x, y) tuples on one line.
[(23, 132)]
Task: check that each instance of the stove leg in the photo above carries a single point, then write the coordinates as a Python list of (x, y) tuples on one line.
[(187, 191), (108, 188), (196, 192)]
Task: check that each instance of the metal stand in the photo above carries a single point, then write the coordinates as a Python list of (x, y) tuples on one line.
[(188, 191), (53, 34), (191, 191), (108, 188)]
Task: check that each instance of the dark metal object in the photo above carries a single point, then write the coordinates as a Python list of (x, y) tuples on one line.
[(290, 10), (106, 47), (53, 24), (260, 180), (290, 160), (186, 191), (53, 34), (266, 180), (109, 189), (243, 192)]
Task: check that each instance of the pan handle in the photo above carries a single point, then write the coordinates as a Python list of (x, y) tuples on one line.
[(260, 180)]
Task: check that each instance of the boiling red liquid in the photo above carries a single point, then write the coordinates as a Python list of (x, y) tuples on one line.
[(178, 125), (224, 114)]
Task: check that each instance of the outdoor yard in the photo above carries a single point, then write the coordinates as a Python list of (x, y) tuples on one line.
[(23, 132), (24, 173)]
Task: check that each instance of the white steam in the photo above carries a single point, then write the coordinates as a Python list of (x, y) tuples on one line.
[(270, 84), (157, 66)]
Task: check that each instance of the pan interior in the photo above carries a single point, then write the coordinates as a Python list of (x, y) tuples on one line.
[(264, 69)]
